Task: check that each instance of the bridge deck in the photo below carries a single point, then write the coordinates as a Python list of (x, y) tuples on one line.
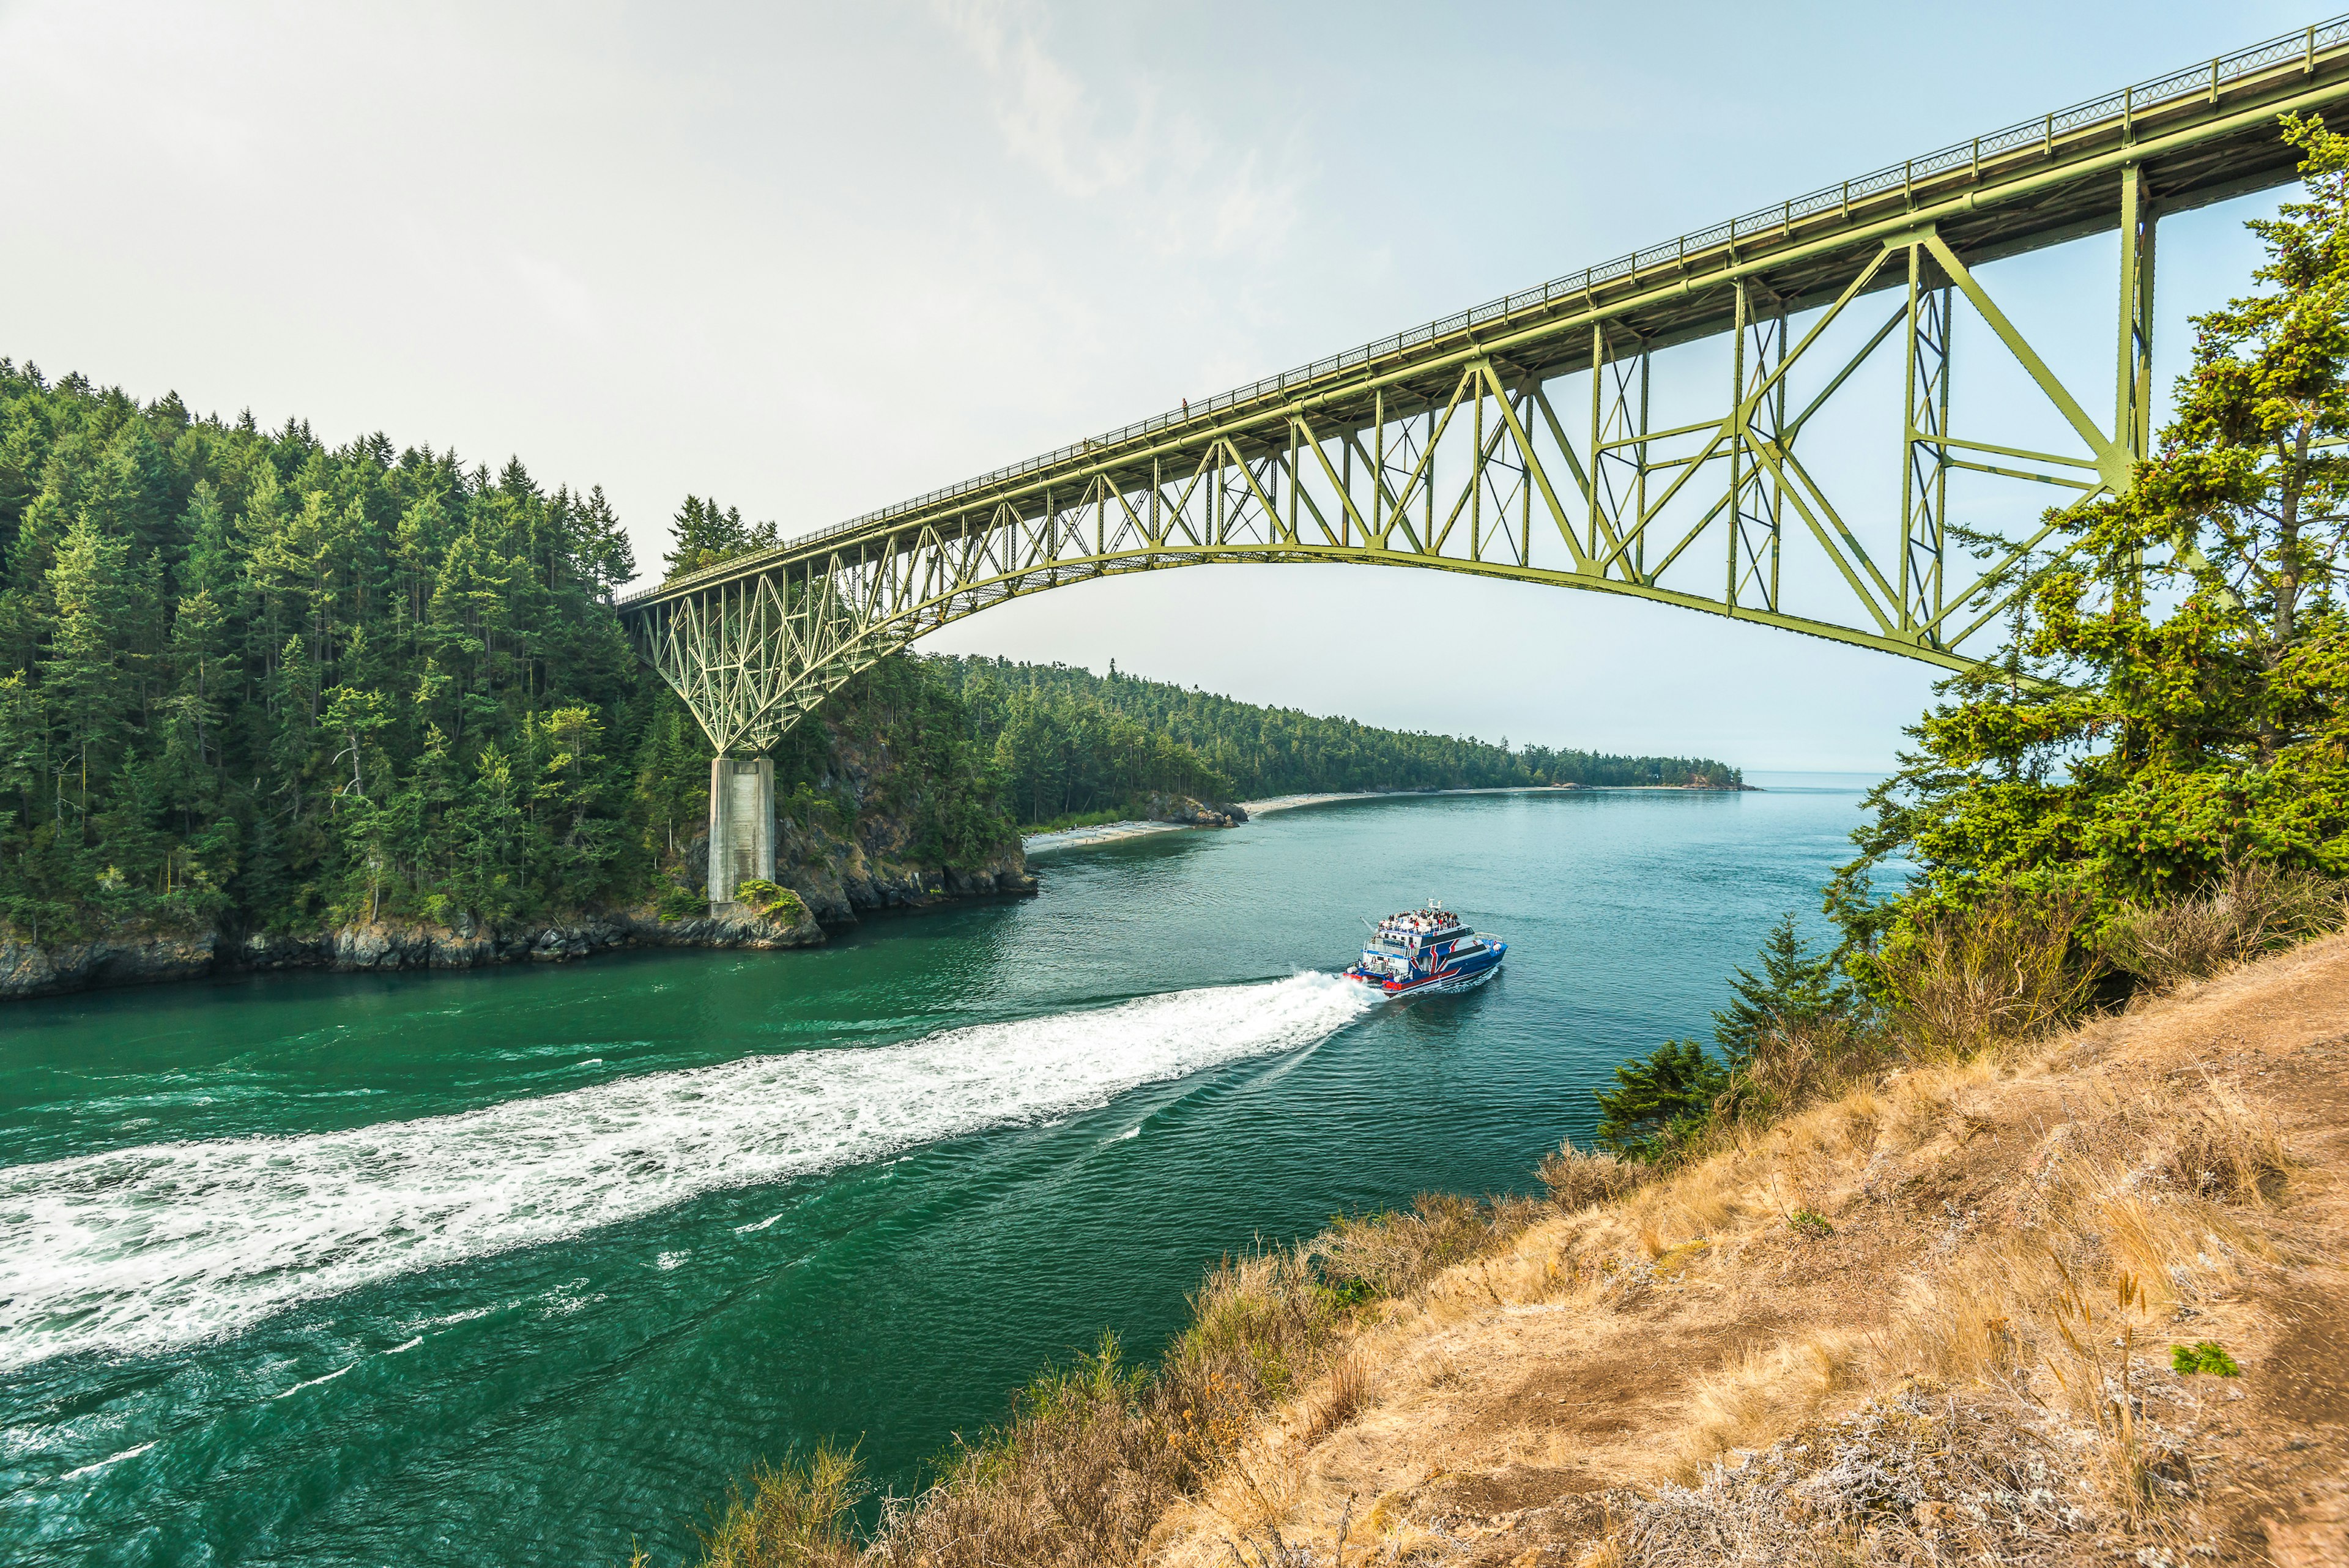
[(2200, 135)]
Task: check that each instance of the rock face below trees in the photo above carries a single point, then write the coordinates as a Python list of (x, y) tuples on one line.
[(33, 968), (1190, 813), (842, 878), (836, 876), (27, 969), (389, 945), (839, 893)]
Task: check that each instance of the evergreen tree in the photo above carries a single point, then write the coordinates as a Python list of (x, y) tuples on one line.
[(1796, 988), (1658, 1096), (703, 534), (24, 746), (604, 554), (84, 673)]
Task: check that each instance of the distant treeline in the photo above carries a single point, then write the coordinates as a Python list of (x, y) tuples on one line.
[(1067, 742)]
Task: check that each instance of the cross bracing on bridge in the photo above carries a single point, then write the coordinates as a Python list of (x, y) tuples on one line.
[(1454, 446)]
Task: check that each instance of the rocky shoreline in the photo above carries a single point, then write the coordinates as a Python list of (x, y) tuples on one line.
[(1163, 814), (835, 895), (1234, 815), (865, 854)]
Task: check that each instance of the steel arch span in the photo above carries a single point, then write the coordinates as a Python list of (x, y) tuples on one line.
[(1444, 448)]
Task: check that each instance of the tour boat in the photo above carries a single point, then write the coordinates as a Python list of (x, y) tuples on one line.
[(1426, 949)]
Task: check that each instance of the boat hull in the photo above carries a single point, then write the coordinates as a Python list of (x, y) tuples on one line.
[(1457, 973)]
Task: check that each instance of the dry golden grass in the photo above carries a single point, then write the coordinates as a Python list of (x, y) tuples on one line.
[(1344, 1393), (1767, 1394), (1578, 1177)]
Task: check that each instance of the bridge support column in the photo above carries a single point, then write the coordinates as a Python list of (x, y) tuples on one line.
[(2133, 400), (742, 825)]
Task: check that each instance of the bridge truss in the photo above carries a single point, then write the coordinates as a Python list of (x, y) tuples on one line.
[(1455, 446)]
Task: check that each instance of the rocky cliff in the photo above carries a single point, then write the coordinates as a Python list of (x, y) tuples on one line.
[(865, 852)]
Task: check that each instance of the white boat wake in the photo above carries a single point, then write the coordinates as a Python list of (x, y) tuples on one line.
[(140, 1249)]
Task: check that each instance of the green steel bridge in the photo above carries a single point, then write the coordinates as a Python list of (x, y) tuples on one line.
[(1337, 460)]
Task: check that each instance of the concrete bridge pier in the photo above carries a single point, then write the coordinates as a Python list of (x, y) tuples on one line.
[(741, 825)]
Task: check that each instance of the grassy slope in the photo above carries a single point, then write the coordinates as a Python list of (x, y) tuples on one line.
[(1684, 1375)]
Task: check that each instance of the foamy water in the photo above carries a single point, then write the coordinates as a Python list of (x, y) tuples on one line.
[(140, 1249)]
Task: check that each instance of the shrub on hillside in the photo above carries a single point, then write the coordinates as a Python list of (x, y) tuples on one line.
[(769, 901), (2253, 909), (2005, 970), (1661, 1102), (1578, 1177), (797, 1514)]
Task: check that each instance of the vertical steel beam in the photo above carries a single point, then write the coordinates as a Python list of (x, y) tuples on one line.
[(1619, 451), (1427, 500), (1525, 495), (1739, 315), (1295, 478), (1598, 386), (1908, 441), (1476, 481), (1218, 499), (2133, 389), (1757, 504), (1345, 493), (1924, 454), (1640, 479)]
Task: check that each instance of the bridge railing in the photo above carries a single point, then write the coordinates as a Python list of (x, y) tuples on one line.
[(2111, 109)]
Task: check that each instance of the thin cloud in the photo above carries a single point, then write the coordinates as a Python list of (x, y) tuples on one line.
[(1176, 185)]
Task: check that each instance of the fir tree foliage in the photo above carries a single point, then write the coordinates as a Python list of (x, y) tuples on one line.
[(704, 534), (1797, 989), (249, 679), (1659, 1098)]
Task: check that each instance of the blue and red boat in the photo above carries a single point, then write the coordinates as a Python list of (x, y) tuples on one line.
[(1427, 950)]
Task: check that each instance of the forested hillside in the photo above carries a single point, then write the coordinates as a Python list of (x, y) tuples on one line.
[(251, 680), (1067, 740), (241, 670)]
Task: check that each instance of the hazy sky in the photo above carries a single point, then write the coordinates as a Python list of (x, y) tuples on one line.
[(815, 259)]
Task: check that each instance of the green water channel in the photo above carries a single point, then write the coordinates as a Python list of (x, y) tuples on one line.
[(521, 1266)]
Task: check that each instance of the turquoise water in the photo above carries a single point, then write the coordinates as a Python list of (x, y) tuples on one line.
[(521, 1266)]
